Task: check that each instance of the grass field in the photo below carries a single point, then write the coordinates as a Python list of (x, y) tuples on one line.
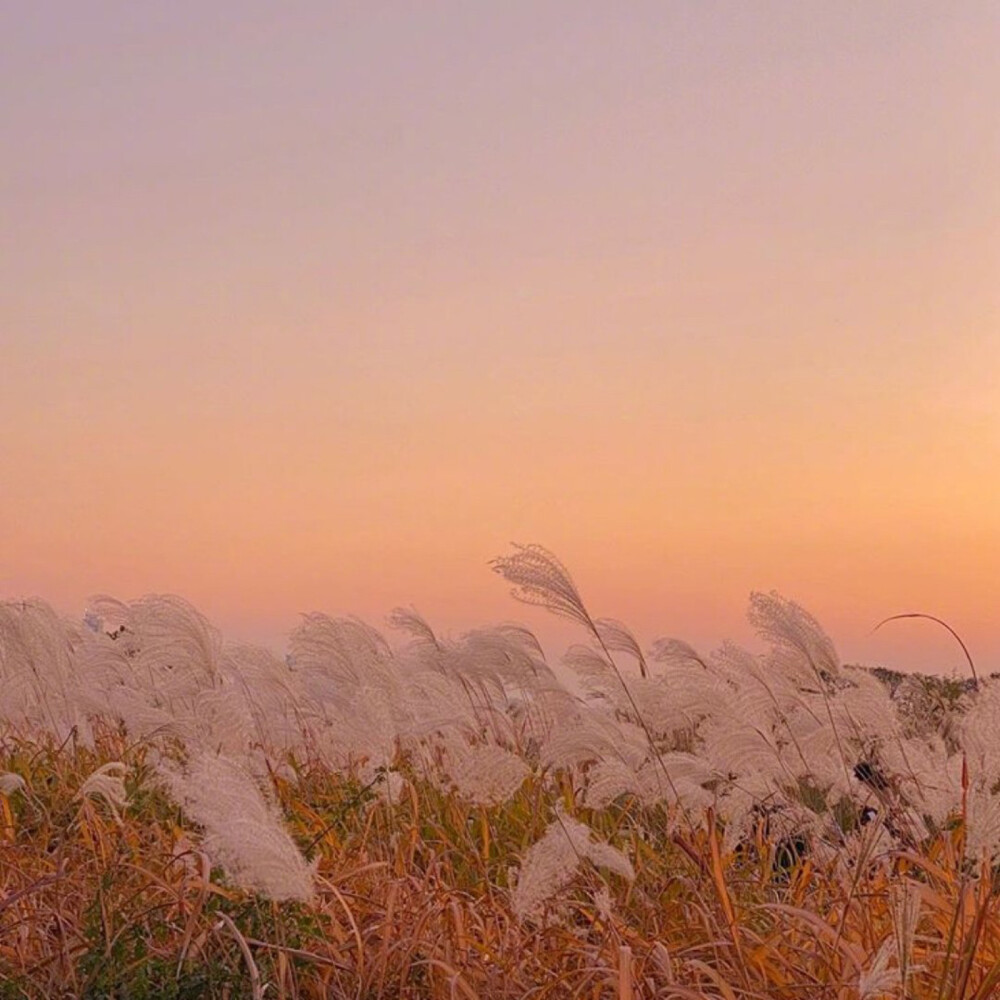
[(442, 818)]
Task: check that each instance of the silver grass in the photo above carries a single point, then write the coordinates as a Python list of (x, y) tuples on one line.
[(161, 673), (796, 637), (594, 673), (764, 727), (107, 783), (551, 863), (733, 664), (541, 714), (539, 578), (746, 755), (676, 652), (346, 650), (483, 774), (439, 702), (11, 783), (670, 704), (801, 651), (411, 621), (864, 711), (131, 706), (736, 807), (36, 669), (390, 790), (243, 832), (590, 736), (507, 654), (928, 776), (871, 844), (353, 694), (617, 637), (359, 732), (273, 697), (166, 640), (979, 733), (221, 718), (982, 822), (610, 778), (818, 757), (601, 899), (680, 698)]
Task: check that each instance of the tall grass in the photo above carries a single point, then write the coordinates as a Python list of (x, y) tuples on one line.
[(436, 817)]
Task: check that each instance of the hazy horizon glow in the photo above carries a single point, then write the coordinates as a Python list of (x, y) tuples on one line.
[(320, 309)]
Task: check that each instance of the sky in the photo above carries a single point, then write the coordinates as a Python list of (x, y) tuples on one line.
[(319, 306)]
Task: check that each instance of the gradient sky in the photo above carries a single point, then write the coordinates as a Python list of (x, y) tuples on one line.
[(317, 306)]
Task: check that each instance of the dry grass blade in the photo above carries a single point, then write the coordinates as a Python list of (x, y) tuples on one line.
[(255, 985), (625, 988), (943, 624), (823, 931), (196, 910)]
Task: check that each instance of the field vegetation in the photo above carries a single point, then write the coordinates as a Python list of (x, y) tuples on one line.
[(443, 818)]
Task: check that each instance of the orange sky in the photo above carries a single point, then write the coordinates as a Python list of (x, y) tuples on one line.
[(318, 307)]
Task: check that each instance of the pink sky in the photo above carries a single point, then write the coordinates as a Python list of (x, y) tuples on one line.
[(319, 306)]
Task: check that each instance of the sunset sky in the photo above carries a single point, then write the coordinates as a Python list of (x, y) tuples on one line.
[(318, 306)]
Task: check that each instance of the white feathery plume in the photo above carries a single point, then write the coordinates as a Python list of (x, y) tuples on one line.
[(979, 732), (539, 578), (107, 783), (863, 710), (748, 754), (360, 730), (734, 664), (610, 778), (437, 702), (594, 673), (603, 905), (799, 643), (508, 655), (171, 642), (982, 821), (929, 777), (816, 756), (411, 621), (345, 651), (131, 705), (665, 704), (10, 782), (677, 652), (551, 863), (37, 669), (589, 736), (221, 718), (243, 832), (802, 652), (271, 692), (390, 790), (483, 774), (618, 638), (736, 808)]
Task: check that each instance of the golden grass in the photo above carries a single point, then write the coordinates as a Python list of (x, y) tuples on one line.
[(413, 900)]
